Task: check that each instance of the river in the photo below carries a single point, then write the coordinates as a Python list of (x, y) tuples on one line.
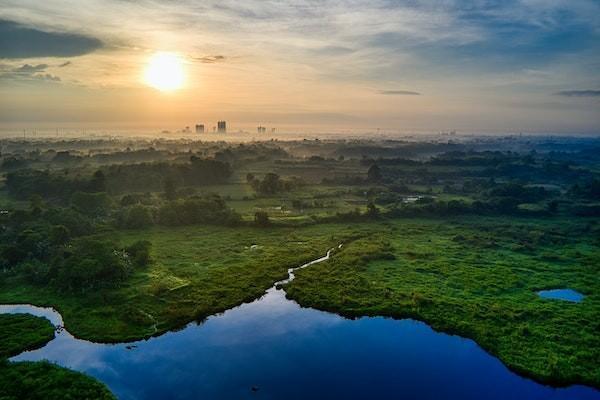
[(272, 348)]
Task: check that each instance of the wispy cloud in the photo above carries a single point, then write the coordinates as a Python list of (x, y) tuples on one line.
[(399, 93), (579, 93), (27, 73), (210, 59), (30, 69)]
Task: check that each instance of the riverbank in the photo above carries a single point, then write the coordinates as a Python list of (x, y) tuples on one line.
[(476, 277), (275, 347), (38, 380), (196, 272), (479, 279)]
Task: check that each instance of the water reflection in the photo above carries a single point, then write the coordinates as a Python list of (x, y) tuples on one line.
[(290, 352)]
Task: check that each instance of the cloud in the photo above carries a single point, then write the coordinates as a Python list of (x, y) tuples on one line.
[(30, 69), (210, 59), (18, 41), (578, 93), (399, 93), (46, 77), (27, 73)]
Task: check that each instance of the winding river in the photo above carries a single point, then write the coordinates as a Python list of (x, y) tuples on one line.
[(274, 349)]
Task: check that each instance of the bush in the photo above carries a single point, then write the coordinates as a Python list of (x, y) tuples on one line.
[(273, 184), (36, 271), (196, 210), (59, 235), (138, 217), (261, 219), (92, 204), (90, 263), (139, 253), (374, 173)]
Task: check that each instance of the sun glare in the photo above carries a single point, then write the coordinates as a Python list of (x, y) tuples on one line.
[(165, 72)]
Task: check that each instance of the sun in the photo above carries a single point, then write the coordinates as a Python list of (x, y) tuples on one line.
[(165, 72)]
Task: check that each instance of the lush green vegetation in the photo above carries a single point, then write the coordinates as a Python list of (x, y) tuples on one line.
[(23, 332), (478, 278), (129, 239), (38, 380), (46, 381), (195, 272)]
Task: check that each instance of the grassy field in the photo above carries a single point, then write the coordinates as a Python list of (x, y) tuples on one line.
[(477, 278), (38, 380), (196, 272), (23, 332)]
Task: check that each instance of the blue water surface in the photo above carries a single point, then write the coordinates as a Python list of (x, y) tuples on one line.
[(562, 294), (288, 352)]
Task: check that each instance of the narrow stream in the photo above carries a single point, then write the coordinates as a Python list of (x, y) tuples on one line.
[(274, 349)]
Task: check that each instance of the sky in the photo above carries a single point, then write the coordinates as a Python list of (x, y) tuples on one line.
[(509, 66)]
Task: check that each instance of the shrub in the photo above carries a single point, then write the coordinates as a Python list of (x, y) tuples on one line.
[(90, 263), (138, 217), (139, 253), (92, 204), (261, 219)]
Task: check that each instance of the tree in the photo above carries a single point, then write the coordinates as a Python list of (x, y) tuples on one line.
[(36, 202), (91, 263), (98, 182), (139, 253), (59, 235), (36, 271), (261, 219), (374, 173), (11, 255), (270, 184), (552, 206), (138, 217), (170, 190), (372, 210), (92, 204)]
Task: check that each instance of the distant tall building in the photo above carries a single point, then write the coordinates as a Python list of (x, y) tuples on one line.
[(222, 127), (199, 128), (261, 129)]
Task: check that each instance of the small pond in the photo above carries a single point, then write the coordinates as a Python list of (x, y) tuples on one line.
[(562, 294)]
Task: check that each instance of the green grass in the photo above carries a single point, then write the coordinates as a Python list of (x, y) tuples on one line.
[(196, 272), (46, 381), (22, 332), (38, 380), (477, 278)]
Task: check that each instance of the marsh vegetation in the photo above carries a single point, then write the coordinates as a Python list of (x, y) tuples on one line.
[(130, 239)]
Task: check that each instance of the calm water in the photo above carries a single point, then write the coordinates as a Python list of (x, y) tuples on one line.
[(289, 352), (562, 294)]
